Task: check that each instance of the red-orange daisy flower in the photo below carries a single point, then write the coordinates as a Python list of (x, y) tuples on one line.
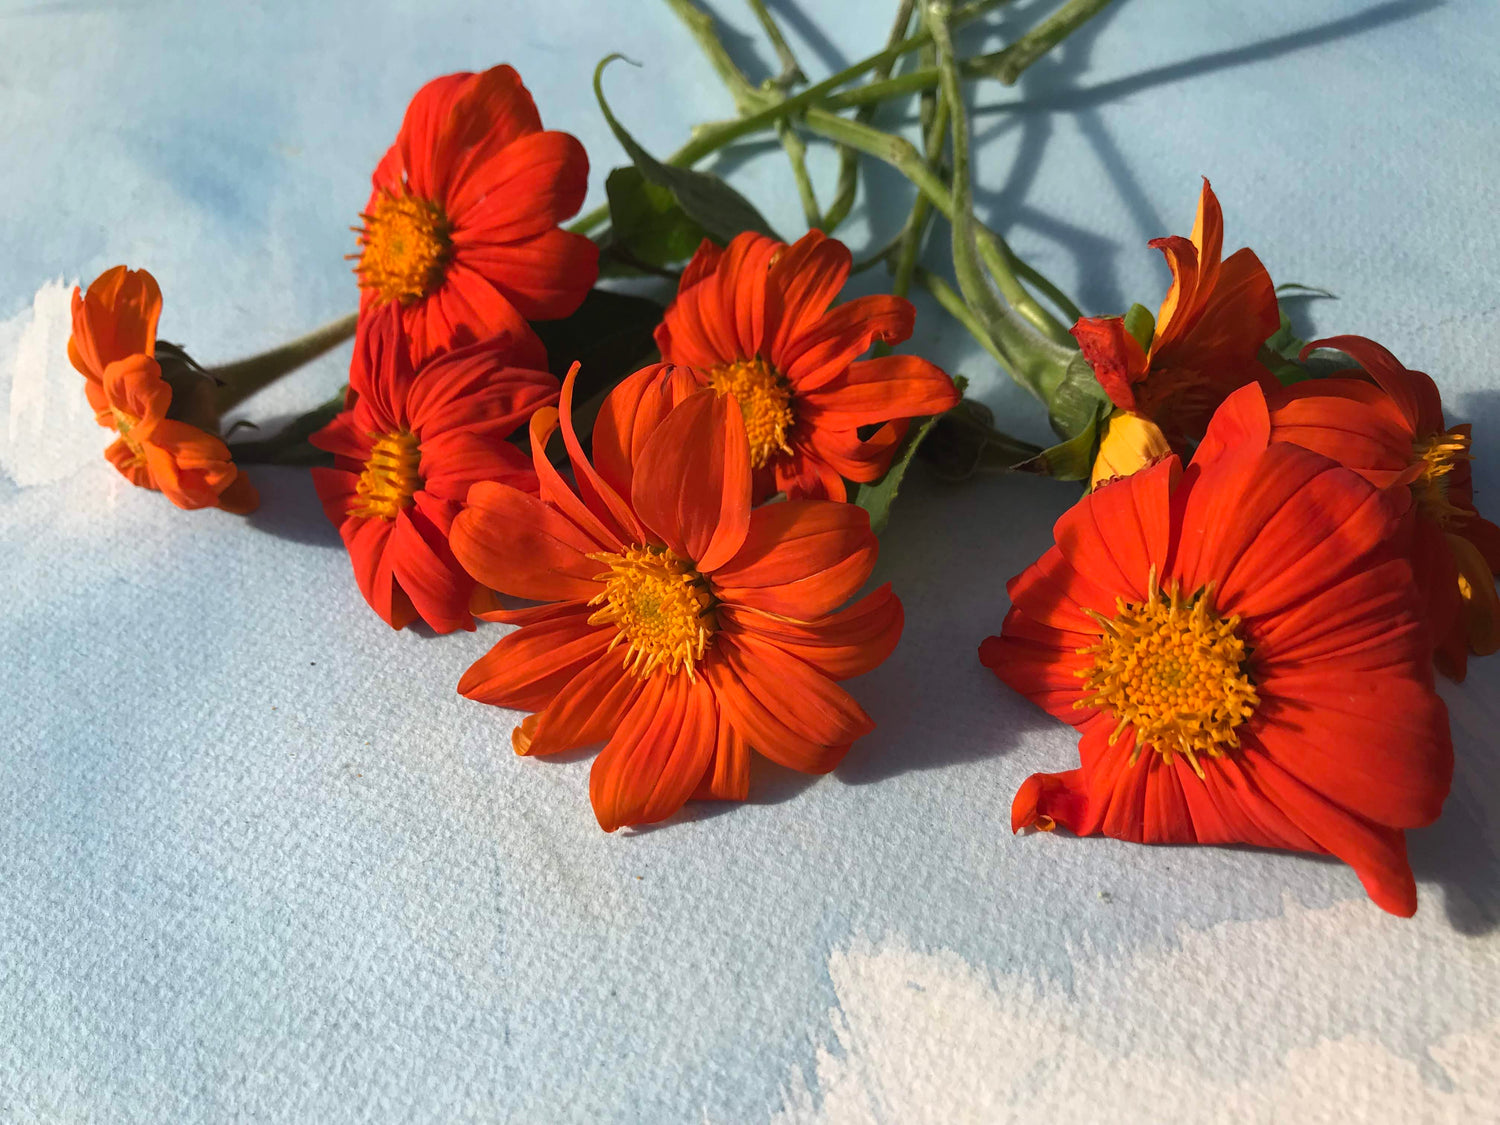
[(1211, 325), (1243, 650), (1392, 433), (113, 346), (406, 452), (753, 320), (682, 628), (461, 230)]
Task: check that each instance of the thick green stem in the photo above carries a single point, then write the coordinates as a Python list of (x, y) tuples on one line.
[(796, 154), (953, 305), (238, 381), (921, 208)]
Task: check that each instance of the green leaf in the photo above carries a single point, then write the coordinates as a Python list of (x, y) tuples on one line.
[(646, 220), (1072, 459), (707, 200), (1076, 401), (878, 496), (609, 337), (1141, 324)]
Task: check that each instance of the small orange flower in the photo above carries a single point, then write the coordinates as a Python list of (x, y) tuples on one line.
[(461, 230), (682, 628), (113, 347), (1211, 325), (753, 320), (406, 451), (1242, 649), (1392, 432)]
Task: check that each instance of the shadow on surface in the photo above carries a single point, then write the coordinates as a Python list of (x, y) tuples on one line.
[(289, 507)]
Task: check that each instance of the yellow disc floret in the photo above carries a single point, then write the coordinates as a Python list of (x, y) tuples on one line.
[(1439, 455), (765, 399), (1175, 671), (661, 606), (405, 248), (390, 477)]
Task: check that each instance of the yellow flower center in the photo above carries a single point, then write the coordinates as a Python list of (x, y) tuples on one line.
[(405, 248), (124, 423), (1175, 671), (390, 477), (765, 400), (1438, 455), (661, 606)]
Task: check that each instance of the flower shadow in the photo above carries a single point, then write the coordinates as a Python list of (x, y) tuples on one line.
[(289, 507), (949, 551)]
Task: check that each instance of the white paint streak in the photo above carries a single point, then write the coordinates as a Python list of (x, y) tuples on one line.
[(48, 431), (927, 1037)]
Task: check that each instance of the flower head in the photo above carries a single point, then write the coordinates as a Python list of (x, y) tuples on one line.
[(406, 451), (1242, 649), (1390, 429), (1210, 327), (753, 320), (113, 346), (681, 628), (461, 231)]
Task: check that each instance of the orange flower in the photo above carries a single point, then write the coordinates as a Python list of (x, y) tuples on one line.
[(753, 320), (406, 452), (113, 347), (1392, 433), (682, 629), (1242, 648), (461, 230), (1209, 329)]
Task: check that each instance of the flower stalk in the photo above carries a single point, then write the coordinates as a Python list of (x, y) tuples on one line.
[(239, 380)]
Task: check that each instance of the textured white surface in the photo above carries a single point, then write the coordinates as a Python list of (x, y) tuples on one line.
[(260, 863)]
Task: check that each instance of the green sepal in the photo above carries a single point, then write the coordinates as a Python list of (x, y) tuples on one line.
[(1072, 459), (1075, 402), (1142, 325), (647, 222), (707, 200)]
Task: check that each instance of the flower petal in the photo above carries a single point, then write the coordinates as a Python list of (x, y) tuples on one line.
[(878, 390), (515, 543), (585, 711), (657, 756), (845, 644), (527, 669), (800, 559), (692, 484)]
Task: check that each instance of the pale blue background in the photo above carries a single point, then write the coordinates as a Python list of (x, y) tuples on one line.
[(259, 862)]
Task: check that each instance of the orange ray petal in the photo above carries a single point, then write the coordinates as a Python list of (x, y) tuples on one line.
[(514, 543), (654, 761), (800, 559), (527, 669), (845, 644)]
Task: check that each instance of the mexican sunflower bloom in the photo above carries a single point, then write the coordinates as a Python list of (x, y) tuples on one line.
[(1242, 649), (461, 229), (754, 321), (680, 628), (1209, 329), (1391, 431), (113, 346), (406, 451)]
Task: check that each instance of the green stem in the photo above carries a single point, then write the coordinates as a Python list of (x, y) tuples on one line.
[(953, 305), (701, 25), (848, 181), (1009, 64), (902, 155), (1036, 362), (921, 208), (238, 381), (791, 73), (796, 154)]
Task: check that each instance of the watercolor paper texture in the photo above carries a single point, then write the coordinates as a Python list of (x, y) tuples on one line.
[(259, 862)]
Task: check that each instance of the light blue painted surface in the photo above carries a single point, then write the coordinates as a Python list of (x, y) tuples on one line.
[(259, 862)]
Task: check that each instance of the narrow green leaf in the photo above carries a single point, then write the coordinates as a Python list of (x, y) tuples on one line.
[(878, 496), (647, 221), (707, 200)]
